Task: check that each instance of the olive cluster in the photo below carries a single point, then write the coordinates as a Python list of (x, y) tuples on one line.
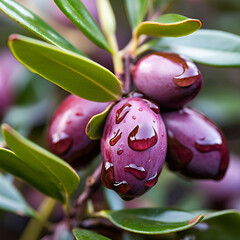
[(137, 137)]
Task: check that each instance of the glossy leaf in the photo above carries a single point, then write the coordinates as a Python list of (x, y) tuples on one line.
[(136, 10), (169, 25), (10, 198), (38, 167), (83, 234), (35, 24), (79, 15), (96, 124), (218, 225), (152, 220), (210, 47), (76, 74)]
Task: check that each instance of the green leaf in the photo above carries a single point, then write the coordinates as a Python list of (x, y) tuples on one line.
[(38, 167), (152, 220), (95, 126), (136, 10), (83, 234), (74, 73), (10, 198), (210, 47), (168, 25), (79, 15), (35, 24), (220, 225)]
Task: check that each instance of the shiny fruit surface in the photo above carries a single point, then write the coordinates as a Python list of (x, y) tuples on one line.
[(196, 146), (133, 147), (66, 134), (169, 79)]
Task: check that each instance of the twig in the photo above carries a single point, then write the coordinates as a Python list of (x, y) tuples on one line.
[(92, 184), (127, 77)]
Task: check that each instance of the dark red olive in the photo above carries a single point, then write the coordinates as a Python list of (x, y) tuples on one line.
[(196, 146), (169, 79), (133, 147), (66, 134)]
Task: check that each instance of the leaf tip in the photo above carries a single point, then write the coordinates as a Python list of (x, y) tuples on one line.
[(196, 219), (13, 37), (6, 127)]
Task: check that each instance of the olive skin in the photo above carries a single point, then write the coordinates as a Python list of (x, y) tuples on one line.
[(196, 146), (133, 147), (169, 79), (66, 133)]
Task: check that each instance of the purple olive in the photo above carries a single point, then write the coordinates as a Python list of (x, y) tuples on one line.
[(133, 147), (169, 79), (196, 146), (226, 191), (66, 134)]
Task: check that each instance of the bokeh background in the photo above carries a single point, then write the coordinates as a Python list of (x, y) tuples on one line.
[(27, 103)]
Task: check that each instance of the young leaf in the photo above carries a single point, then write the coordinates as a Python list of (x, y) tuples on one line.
[(136, 10), (210, 47), (79, 15), (74, 73), (152, 220), (107, 17), (218, 225), (38, 167), (10, 198), (168, 25), (35, 24), (96, 124), (83, 234)]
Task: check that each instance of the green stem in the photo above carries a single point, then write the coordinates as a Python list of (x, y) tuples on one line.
[(117, 57), (35, 226)]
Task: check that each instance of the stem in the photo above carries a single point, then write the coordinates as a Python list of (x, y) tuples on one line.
[(35, 226), (117, 58), (92, 184), (127, 77)]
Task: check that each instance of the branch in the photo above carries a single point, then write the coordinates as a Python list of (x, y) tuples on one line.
[(92, 184)]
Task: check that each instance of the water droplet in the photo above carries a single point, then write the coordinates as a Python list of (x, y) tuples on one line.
[(151, 181), (139, 172), (61, 143), (152, 105), (189, 75), (142, 138), (120, 151), (140, 109), (116, 138), (107, 175), (133, 117), (208, 144), (78, 114), (122, 187), (122, 112), (69, 122)]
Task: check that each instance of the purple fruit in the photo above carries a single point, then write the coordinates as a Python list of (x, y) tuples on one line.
[(66, 134), (228, 188), (196, 146), (169, 79), (133, 147)]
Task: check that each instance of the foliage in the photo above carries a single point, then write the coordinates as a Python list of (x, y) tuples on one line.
[(73, 70)]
